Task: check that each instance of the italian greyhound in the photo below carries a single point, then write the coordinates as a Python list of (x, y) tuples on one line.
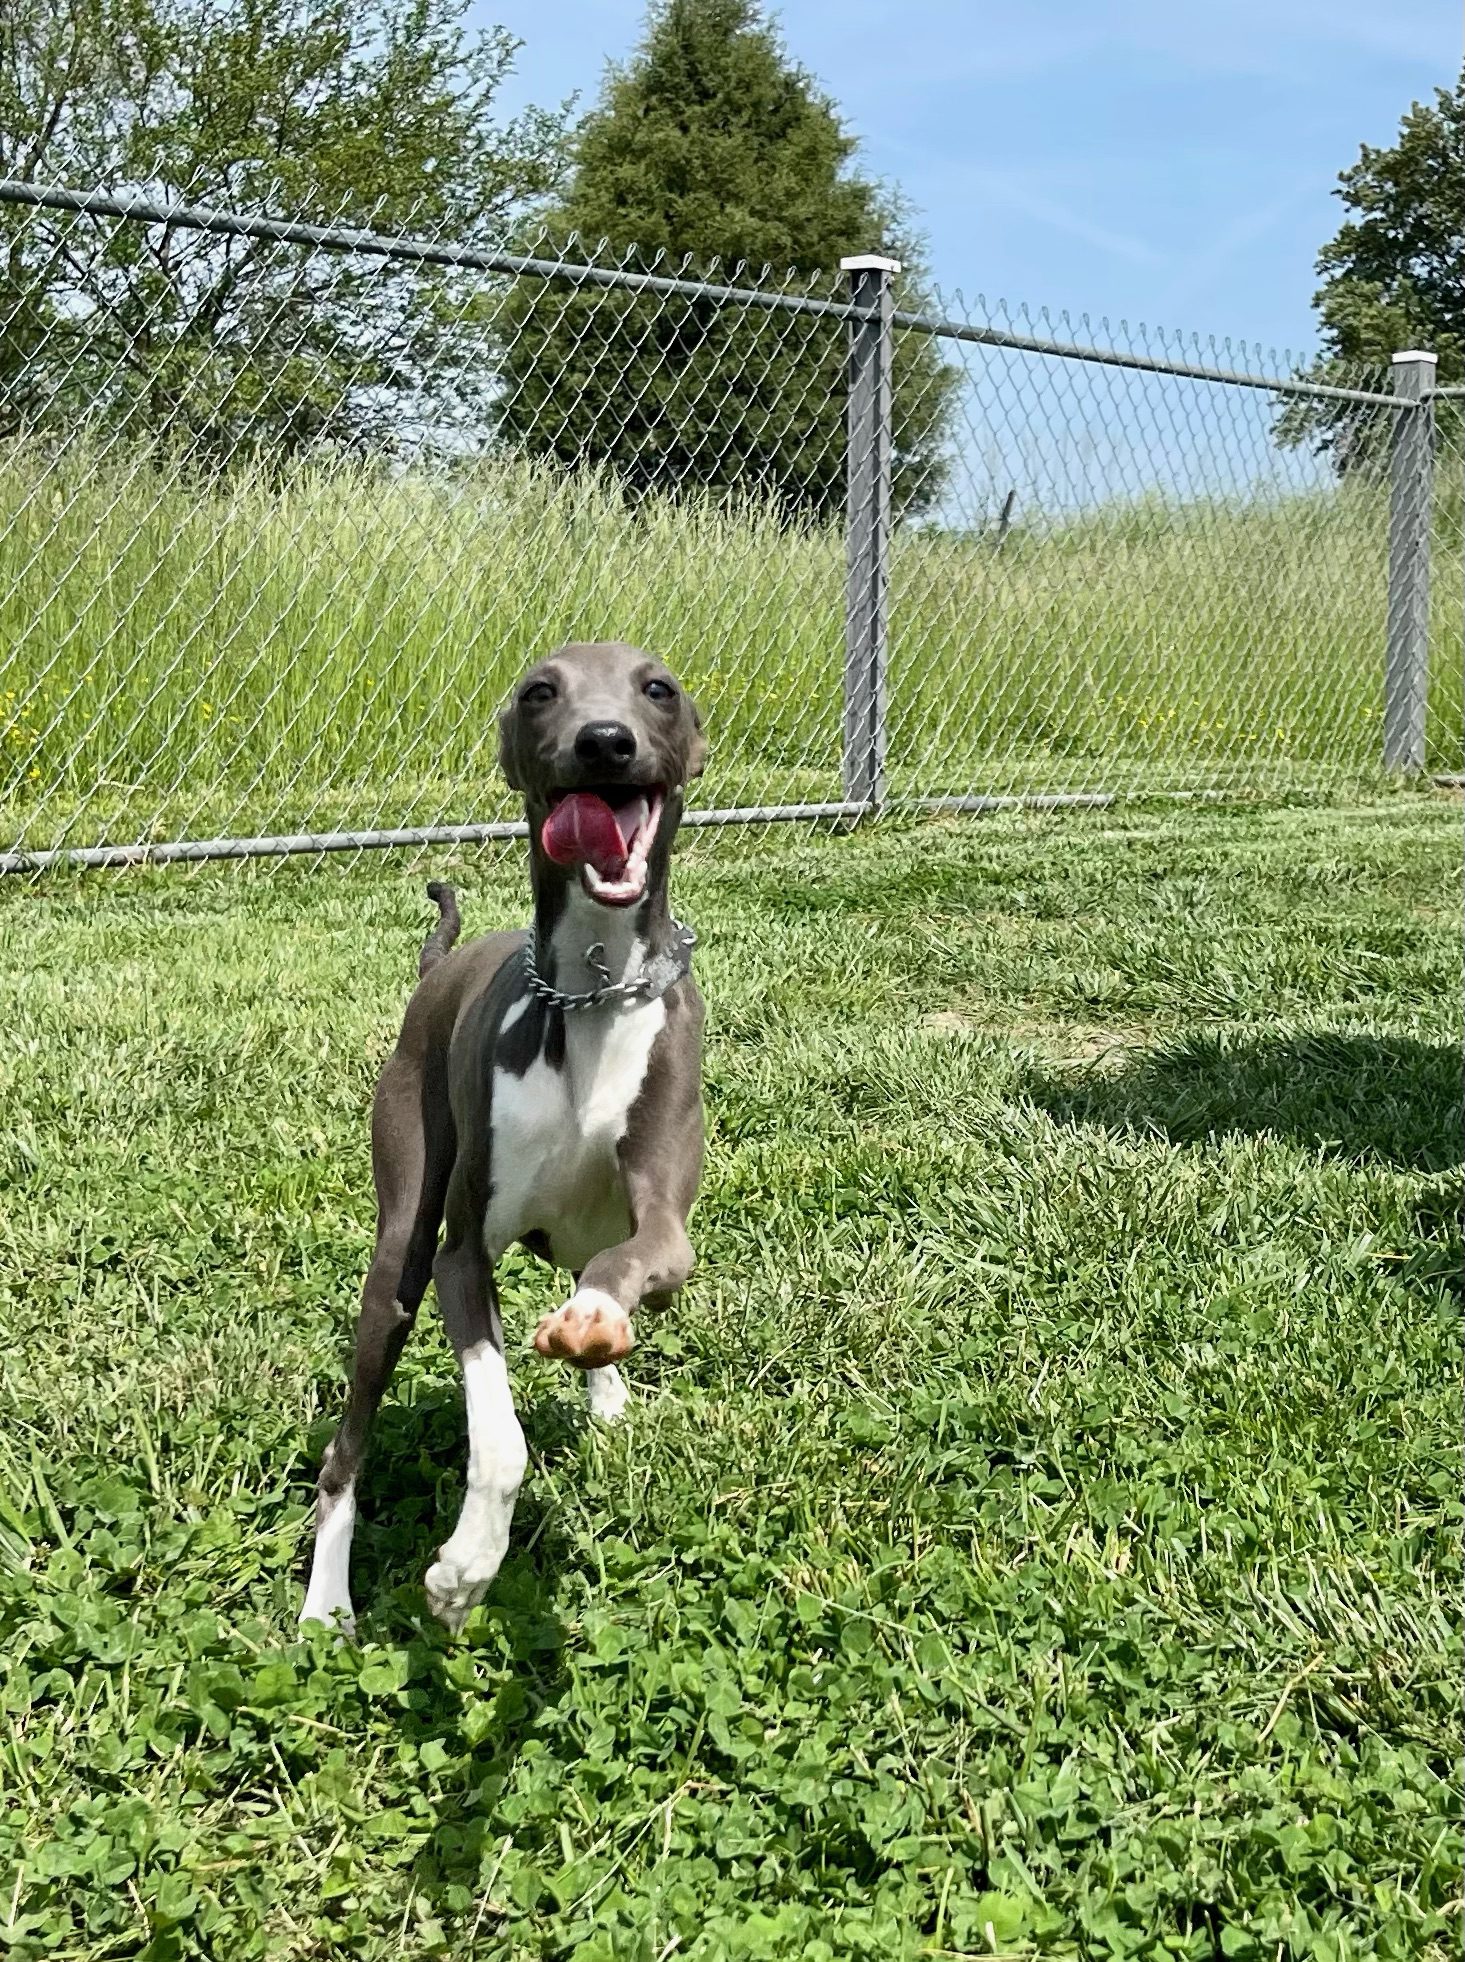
[(545, 1089)]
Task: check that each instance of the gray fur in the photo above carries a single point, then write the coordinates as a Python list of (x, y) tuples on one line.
[(471, 1018)]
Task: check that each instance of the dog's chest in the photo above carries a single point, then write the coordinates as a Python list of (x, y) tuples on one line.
[(553, 1162)]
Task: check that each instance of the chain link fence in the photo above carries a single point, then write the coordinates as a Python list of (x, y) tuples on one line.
[(1443, 684), (285, 509)]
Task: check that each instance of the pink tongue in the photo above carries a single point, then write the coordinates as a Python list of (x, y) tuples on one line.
[(582, 829)]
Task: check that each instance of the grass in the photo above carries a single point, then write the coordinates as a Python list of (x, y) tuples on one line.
[(329, 651), (1036, 1533)]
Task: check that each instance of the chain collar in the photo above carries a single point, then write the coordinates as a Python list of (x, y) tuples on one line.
[(659, 975)]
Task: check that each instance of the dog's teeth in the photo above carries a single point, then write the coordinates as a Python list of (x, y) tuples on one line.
[(630, 818)]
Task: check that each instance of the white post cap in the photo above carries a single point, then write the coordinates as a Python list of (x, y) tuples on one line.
[(873, 262), (1417, 354)]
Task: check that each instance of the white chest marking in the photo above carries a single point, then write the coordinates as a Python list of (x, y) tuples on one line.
[(554, 1167)]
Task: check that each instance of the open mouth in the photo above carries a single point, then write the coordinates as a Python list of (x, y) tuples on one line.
[(607, 830)]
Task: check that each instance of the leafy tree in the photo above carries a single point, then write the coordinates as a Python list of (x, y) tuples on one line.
[(1394, 276), (372, 112), (712, 152)]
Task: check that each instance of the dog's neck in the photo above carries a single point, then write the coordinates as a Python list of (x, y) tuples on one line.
[(568, 923)]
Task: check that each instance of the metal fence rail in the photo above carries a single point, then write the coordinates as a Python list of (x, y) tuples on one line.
[(286, 506)]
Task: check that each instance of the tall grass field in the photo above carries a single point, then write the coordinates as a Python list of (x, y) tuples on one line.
[(184, 659)]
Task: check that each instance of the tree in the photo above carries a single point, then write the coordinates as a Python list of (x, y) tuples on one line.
[(711, 152), (366, 112), (1393, 277)]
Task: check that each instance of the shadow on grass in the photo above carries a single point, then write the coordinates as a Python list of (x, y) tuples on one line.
[(1440, 1252), (1369, 1099), (412, 1488), (473, 1702)]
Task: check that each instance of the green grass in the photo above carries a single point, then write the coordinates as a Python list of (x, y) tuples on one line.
[(1036, 1529), (327, 652)]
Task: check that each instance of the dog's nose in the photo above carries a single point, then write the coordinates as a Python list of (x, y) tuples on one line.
[(605, 745)]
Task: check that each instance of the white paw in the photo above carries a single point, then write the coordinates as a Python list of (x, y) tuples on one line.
[(606, 1394), (591, 1331), (459, 1576), (328, 1594), (329, 1614), (456, 1586)]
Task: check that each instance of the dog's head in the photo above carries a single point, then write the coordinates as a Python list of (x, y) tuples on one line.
[(602, 740)]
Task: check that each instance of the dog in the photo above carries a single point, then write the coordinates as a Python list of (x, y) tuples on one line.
[(545, 1090)]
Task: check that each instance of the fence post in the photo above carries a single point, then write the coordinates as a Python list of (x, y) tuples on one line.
[(867, 527), (1411, 472)]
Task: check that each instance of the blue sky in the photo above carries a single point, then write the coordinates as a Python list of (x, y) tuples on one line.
[(1158, 161)]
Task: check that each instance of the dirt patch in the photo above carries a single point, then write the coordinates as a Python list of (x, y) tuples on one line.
[(1074, 1045), (950, 1021), (1061, 1043)]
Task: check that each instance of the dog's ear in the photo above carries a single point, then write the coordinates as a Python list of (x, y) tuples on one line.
[(508, 747), (697, 747)]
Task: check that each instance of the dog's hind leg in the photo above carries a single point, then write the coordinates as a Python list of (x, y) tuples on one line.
[(412, 1155), (497, 1454)]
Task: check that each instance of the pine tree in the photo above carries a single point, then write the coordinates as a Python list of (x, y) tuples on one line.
[(713, 150)]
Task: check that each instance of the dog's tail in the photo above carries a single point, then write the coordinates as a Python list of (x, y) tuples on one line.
[(440, 940)]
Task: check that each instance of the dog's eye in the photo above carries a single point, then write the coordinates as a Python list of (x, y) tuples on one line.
[(660, 691), (538, 691)]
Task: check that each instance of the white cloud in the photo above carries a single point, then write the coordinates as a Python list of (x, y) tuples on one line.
[(1009, 189)]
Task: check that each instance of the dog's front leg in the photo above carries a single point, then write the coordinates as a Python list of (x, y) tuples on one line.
[(661, 1162), (497, 1455), (593, 1330)]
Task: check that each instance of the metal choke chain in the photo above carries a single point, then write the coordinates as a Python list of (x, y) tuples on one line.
[(644, 987)]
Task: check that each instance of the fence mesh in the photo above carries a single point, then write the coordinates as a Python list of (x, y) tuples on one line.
[(282, 517), (1444, 738), (1141, 585)]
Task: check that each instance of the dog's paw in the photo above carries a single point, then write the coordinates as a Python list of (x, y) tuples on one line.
[(337, 1615), (454, 1588), (591, 1331), (606, 1395)]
